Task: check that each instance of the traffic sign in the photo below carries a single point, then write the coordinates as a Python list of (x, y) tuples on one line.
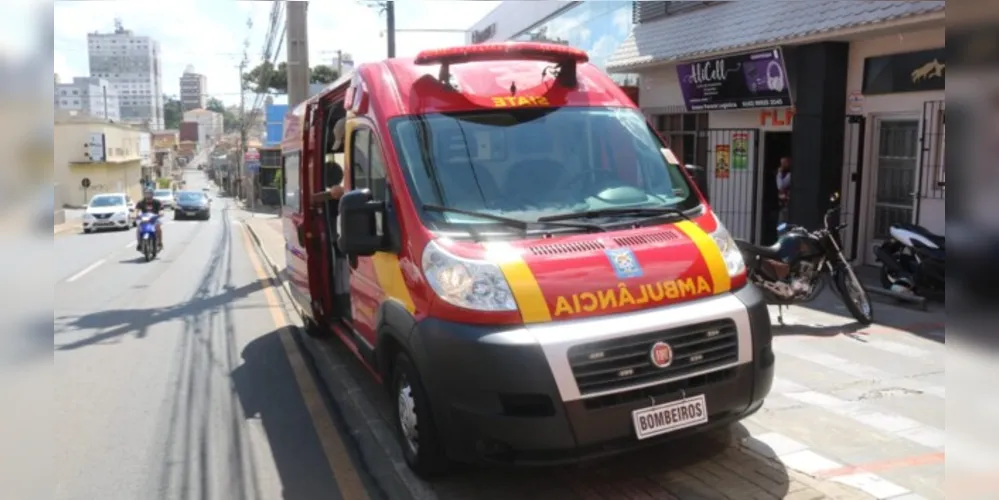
[(253, 166), (85, 182), (251, 155)]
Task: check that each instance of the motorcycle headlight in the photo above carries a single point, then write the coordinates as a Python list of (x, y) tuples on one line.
[(466, 283), (729, 250)]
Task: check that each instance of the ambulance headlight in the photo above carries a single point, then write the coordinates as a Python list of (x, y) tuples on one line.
[(729, 250), (466, 283)]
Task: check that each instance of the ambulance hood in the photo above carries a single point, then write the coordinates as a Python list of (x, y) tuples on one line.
[(588, 275)]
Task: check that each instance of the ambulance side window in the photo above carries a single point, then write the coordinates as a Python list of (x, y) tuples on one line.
[(359, 145), (367, 164)]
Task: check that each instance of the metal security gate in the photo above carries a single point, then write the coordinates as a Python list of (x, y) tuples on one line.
[(850, 208), (932, 139), (734, 179)]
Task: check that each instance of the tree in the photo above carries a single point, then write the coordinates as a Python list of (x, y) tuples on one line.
[(229, 119), (323, 74), (173, 112), (266, 79)]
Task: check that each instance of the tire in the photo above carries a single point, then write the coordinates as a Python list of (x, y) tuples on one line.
[(147, 250), (424, 455), (844, 278)]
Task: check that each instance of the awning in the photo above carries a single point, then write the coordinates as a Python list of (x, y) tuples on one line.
[(745, 25)]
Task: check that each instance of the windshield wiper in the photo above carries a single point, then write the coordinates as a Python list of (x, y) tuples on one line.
[(511, 222), (617, 212)]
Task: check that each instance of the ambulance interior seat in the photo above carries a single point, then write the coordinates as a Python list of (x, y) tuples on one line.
[(333, 173)]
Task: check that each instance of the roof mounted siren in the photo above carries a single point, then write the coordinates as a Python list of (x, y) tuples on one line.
[(565, 57)]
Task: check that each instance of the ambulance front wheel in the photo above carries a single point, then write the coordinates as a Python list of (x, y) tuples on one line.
[(414, 423)]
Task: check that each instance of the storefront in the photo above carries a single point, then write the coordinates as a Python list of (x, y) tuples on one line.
[(895, 144), (596, 27), (738, 97)]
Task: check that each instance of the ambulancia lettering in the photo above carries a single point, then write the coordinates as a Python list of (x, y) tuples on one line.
[(623, 296)]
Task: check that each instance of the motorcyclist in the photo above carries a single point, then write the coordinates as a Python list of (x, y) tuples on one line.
[(148, 204)]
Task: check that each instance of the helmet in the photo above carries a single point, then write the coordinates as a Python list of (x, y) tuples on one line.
[(148, 191)]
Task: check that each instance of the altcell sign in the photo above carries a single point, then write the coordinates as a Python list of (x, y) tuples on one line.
[(754, 80)]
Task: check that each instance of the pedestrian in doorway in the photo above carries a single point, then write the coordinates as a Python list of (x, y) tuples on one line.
[(783, 188)]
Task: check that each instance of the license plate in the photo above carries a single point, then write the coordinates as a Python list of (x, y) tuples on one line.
[(192, 213), (669, 417)]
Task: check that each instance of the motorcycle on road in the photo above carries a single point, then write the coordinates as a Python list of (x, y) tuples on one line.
[(147, 236), (795, 269)]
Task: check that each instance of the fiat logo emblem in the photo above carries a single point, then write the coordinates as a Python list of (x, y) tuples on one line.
[(661, 354)]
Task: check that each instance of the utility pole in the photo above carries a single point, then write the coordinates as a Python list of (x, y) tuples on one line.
[(241, 151), (298, 52), (390, 27), (339, 63)]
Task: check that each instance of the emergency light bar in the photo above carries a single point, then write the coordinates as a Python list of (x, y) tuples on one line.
[(567, 58)]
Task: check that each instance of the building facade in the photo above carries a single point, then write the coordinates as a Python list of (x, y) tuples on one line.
[(210, 125), (91, 96), (851, 92), (107, 155), (131, 64), (193, 90), (596, 27)]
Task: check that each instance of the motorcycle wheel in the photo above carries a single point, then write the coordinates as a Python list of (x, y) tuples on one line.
[(147, 250), (854, 296)]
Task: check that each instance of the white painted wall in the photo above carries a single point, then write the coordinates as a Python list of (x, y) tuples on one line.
[(932, 212), (660, 88), (513, 17)]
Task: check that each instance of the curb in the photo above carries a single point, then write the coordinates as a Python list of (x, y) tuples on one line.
[(356, 410), (65, 228)]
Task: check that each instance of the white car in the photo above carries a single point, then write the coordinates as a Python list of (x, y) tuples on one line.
[(108, 211), (165, 197)]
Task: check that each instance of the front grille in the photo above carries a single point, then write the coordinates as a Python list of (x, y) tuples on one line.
[(626, 362), (102, 216)]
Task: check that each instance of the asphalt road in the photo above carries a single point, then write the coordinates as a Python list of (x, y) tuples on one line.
[(172, 378)]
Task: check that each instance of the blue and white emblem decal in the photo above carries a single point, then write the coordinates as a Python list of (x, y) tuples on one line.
[(624, 262)]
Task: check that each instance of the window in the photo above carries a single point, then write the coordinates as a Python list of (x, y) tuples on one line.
[(360, 143), (528, 163), (291, 182), (685, 135)]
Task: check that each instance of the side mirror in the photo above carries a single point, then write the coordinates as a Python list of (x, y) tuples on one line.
[(361, 218), (700, 176)]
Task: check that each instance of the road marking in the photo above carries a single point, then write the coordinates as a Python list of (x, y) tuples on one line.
[(883, 465), (89, 268), (797, 456), (345, 474), (130, 244), (851, 368)]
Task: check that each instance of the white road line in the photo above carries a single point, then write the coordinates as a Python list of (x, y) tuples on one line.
[(852, 368), (898, 348), (130, 244), (862, 413), (797, 456), (80, 274)]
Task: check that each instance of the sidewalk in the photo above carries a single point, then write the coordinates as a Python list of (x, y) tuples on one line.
[(745, 464)]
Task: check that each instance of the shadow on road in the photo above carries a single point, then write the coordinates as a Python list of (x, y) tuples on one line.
[(265, 386)]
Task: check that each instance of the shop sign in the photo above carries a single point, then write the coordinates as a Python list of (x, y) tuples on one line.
[(855, 102), (906, 72), (485, 34), (744, 81), (776, 117)]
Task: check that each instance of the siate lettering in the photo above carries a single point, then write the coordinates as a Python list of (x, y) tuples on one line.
[(517, 101)]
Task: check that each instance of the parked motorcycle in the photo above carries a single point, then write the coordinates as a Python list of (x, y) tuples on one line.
[(147, 236), (912, 261), (791, 271)]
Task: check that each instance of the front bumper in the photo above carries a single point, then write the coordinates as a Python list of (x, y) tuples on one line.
[(511, 396), (191, 211), (109, 223)]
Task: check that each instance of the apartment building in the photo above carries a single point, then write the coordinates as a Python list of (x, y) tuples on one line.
[(193, 90), (132, 65), (88, 96)]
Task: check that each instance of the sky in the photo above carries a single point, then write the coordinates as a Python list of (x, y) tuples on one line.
[(209, 34)]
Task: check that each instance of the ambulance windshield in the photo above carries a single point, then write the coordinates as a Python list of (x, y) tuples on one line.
[(535, 162)]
